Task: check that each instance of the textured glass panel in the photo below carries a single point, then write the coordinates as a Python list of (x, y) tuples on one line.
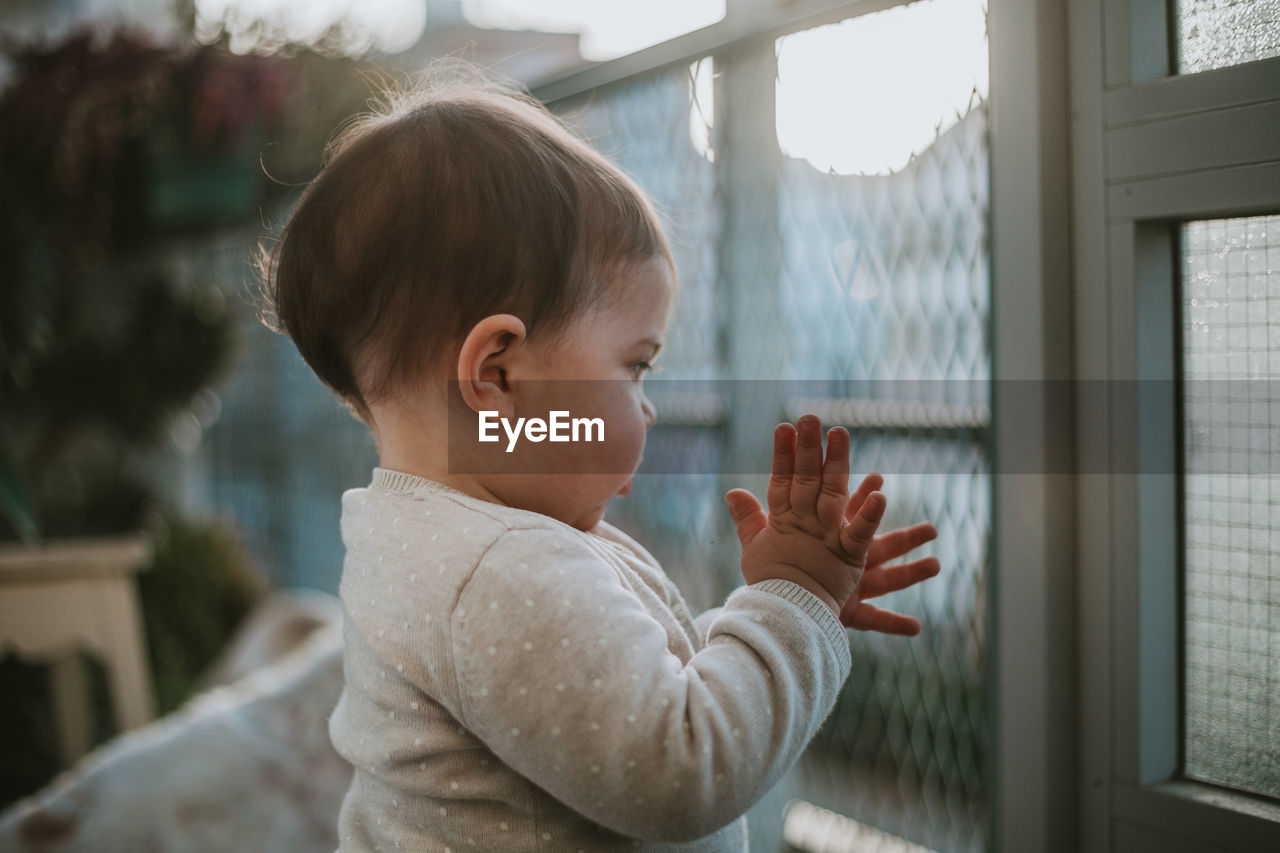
[(1231, 350), (1218, 33)]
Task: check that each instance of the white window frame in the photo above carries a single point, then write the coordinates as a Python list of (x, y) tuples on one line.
[(1149, 149), (1033, 780)]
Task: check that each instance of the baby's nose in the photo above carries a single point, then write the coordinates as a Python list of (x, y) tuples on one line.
[(650, 411)]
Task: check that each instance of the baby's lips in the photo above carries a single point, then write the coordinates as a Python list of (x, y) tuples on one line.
[(625, 490)]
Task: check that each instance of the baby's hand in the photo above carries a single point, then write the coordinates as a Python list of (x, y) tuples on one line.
[(806, 538)]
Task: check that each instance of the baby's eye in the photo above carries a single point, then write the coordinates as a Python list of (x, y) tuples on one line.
[(640, 368)]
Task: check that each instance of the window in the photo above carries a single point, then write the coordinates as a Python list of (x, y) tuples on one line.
[(1176, 191), (1231, 501), (1219, 33)]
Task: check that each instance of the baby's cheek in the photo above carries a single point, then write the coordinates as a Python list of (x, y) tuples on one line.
[(633, 433), (619, 453)]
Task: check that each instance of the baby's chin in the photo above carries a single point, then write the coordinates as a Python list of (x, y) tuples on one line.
[(589, 520)]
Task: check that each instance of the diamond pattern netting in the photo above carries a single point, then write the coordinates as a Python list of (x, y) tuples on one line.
[(885, 277)]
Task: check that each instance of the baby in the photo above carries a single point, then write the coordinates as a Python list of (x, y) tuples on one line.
[(520, 675)]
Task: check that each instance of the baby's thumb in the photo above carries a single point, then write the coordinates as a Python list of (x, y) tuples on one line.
[(748, 516), (858, 534)]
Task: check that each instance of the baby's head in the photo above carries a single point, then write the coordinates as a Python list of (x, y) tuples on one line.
[(456, 243)]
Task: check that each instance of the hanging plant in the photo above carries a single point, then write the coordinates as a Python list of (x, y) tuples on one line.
[(108, 140)]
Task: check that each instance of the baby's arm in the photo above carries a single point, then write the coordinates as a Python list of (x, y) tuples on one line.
[(702, 622), (566, 676)]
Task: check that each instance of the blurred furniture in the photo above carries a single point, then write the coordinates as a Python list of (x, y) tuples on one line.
[(242, 766), (62, 598)]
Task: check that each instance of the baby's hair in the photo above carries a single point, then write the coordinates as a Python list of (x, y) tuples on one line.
[(453, 199)]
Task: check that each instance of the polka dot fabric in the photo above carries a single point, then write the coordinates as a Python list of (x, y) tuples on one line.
[(528, 686)]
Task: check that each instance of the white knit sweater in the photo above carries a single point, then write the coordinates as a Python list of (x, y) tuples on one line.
[(513, 683)]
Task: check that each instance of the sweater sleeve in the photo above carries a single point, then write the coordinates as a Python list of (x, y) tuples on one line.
[(566, 676), (704, 620)]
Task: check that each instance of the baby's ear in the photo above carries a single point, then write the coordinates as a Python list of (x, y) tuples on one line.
[(483, 361)]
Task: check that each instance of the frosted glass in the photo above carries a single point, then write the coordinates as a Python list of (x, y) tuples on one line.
[(1218, 33), (1231, 371)]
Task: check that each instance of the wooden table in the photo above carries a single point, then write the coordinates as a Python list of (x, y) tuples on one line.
[(60, 598)]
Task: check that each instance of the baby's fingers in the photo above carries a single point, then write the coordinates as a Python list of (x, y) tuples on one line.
[(869, 484), (868, 617), (807, 480), (778, 494), (885, 579), (894, 544), (835, 478), (747, 515), (857, 535)]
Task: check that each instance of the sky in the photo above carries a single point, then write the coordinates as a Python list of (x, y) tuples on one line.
[(858, 97), (863, 95)]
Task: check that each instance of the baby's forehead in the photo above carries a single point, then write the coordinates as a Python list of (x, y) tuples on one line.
[(640, 291)]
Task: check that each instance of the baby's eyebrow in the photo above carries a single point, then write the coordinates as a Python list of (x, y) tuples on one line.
[(653, 342)]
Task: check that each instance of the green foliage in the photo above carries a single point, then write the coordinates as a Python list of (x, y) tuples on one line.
[(100, 349), (110, 144), (15, 503), (195, 591)]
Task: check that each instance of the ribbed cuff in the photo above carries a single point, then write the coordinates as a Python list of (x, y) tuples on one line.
[(397, 481), (814, 607)]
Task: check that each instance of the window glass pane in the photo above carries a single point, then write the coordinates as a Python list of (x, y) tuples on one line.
[(1231, 368), (883, 214), (1218, 33)]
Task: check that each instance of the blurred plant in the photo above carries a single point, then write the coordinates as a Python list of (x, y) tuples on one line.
[(104, 138), (62, 123), (197, 585)]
